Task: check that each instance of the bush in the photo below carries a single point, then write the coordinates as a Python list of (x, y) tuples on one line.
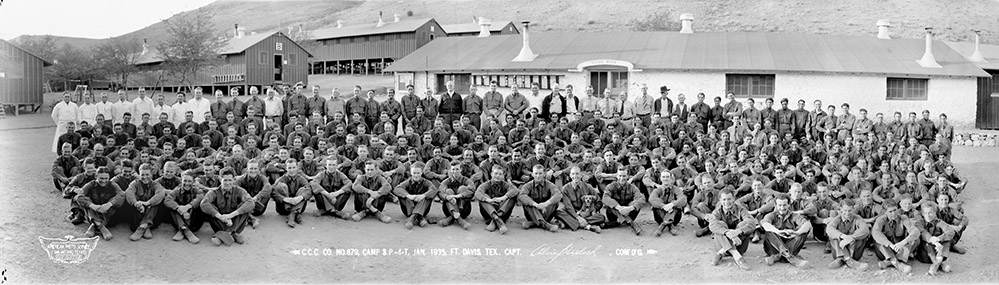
[(409, 13), (658, 21)]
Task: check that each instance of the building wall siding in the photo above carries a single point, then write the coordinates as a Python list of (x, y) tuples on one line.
[(23, 83), (263, 74)]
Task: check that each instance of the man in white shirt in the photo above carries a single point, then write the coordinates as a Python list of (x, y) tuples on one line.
[(142, 105), (63, 112), (199, 106), (180, 108), (273, 107), (88, 110), (161, 107), (106, 108), (123, 106)]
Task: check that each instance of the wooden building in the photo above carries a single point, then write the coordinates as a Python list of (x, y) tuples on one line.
[(21, 77), (475, 28), (256, 60), (370, 48), (987, 58)]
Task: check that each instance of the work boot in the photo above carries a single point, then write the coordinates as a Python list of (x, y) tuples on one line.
[(856, 264), (238, 238), (464, 224), (636, 228), (298, 217), (383, 217), (191, 237), (659, 230), (341, 214), (137, 235), (715, 259), (957, 249), (672, 230), (216, 241), (702, 232), (423, 221), (933, 269), (445, 222), (771, 259), (409, 223), (550, 227), (905, 268), (945, 268), (595, 229), (291, 220), (884, 264), (491, 227), (105, 232), (254, 222), (358, 216), (502, 226), (528, 224), (148, 234), (742, 264), (76, 217), (797, 262), (827, 250), (178, 236), (836, 263), (90, 231)]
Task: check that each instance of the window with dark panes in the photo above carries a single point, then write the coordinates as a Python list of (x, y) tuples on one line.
[(995, 82), (262, 60), (907, 88), (750, 85)]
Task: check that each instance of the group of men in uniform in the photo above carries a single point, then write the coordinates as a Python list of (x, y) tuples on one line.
[(745, 174)]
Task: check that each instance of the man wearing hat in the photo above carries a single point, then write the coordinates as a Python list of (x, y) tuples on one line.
[(663, 105)]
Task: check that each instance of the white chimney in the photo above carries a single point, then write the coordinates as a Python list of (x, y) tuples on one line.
[(883, 29), (928, 61), (977, 56), (299, 28), (290, 29), (235, 31), (380, 22), (526, 54), (687, 23), (145, 46), (397, 18), (339, 24), (240, 32), (484, 27)]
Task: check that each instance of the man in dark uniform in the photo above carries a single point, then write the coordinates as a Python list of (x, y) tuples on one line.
[(663, 105), (451, 104), (144, 196), (371, 191), (292, 192), (228, 209), (473, 108), (392, 108), (667, 202), (622, 201), (456, 193), (184, 204), (732, 225), (332, 189), (540, 199), (785, 119), (409, 103), (100, 199), (496, 200), (786, 232)]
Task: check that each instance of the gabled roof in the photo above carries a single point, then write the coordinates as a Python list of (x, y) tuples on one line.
[(236, 45), (990, 52), (726, 51), (402, 26), (473, 27), (45, 62)]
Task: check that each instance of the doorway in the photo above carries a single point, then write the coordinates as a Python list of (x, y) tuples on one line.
[(278, 67), (616, 80)]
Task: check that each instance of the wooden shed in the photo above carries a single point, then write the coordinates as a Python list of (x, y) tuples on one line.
[(254, 60), (21, 76), (370, 48)]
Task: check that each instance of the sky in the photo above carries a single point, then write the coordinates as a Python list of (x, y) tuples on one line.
[(86, 18)]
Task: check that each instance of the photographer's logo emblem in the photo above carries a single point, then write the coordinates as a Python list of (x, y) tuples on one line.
[(69, 249)]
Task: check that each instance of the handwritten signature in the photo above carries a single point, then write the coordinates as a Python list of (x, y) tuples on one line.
[(568, 250)]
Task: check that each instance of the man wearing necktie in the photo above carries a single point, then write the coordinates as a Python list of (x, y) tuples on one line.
[(644, 106), (540, 198), (664, 105)]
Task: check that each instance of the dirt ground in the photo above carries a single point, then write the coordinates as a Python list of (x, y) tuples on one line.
[(328, 250)]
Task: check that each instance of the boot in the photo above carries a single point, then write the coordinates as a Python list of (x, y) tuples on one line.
[(137, 235), (595, 229), (836, 263), (528, 224), (105, 232), (298, 217), (702, 232), (76, 217), (502, 226), (716, 259), (358, 216), (148, 234), (771, 259), (409, 222), (90, 231), (797, 262), (238, 238), (742, 264), (672, 230), (445, 222), (659, 230), (491, 227), (254, 222), (423, 221), (291, 220), (464, 224), (856, 264), (945, 268), (636, 228), (178, 236), (191, 237), (905, 268), (550, 227), (216, 241), (341, 214), (933, 269), (383, 217), (957, 249)]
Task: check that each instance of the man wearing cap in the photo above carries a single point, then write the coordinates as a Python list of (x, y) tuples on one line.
[(663, 105), (644, 106)]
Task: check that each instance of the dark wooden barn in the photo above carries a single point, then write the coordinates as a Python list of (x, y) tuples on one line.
[(370, 48), (21, 77), (256, 60)]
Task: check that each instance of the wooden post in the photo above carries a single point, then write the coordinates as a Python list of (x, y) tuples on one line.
[(383, 66), (366, 66)]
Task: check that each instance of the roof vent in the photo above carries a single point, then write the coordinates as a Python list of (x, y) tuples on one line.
[(240, 32), (687, 23), (145, 46), (396, 18), (883, 29), (977, 56), (339, 24), (235, 31), (484, 27), (380, 22), (526, 54), (928, 61)]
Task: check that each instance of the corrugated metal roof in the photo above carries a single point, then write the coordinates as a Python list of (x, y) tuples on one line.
[(473, 27), (990, 52), (236, 45), (402, 26), (729, 51)]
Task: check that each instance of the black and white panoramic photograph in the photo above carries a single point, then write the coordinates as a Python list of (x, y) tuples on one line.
[(499, 141)]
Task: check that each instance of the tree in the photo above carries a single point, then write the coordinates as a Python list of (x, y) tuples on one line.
[(116, 58), (304, 38), (658, 21), (191, 46)]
